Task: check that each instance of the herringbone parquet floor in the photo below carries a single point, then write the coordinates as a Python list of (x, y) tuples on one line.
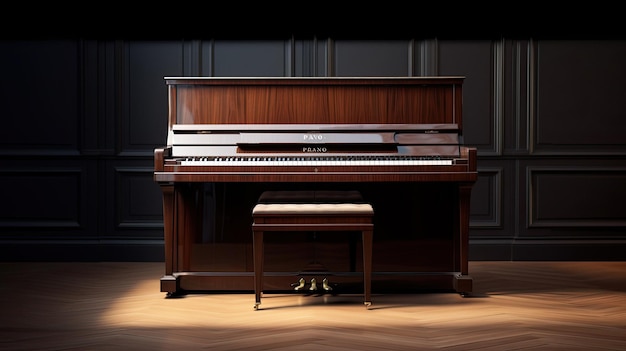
[(118, 306)]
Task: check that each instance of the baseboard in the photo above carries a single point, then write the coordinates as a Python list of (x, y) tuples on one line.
[(547, 250), (118, 251)]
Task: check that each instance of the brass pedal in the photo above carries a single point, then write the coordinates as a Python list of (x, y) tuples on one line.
[(299, 285), (313, 284), (325, 285)]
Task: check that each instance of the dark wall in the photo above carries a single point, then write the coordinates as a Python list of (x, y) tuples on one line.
[(82, 116)]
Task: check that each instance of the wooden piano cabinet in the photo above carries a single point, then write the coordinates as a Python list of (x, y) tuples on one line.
[(422, 210)]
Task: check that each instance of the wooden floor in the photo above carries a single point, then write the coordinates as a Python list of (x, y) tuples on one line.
[(118, 306)]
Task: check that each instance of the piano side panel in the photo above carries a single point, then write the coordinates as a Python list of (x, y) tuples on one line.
[(285, 104)]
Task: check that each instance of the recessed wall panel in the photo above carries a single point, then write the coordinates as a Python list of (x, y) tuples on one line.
[(40, 97), (580, 96), (368, 58), (52, 199), (577, 197), (250, 58)]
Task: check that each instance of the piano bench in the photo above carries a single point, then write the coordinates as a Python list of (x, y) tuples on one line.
[(292, 214)]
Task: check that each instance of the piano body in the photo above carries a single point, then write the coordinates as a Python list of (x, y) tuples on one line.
[(398, 140)]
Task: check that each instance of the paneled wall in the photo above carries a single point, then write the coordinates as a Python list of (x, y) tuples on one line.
[(81, 119)]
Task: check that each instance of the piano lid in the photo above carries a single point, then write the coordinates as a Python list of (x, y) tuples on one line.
[(425, 80)]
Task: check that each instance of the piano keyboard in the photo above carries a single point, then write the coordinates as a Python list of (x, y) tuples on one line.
[(318, 161)]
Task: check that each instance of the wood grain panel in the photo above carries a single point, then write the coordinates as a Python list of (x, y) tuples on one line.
[(284, 101)]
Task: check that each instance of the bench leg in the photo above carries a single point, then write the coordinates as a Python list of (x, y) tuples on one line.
[(367, 265), (257, 253)]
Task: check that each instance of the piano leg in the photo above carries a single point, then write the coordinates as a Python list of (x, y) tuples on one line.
[(169, 283), (257, 245), (463, 282), (182, 216)]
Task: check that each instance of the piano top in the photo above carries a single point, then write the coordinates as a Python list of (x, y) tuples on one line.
[(316, 80)]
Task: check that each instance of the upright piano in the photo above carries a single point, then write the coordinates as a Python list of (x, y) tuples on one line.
[(397, 140)]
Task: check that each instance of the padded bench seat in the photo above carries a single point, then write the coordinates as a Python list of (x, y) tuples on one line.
[(284, 211)]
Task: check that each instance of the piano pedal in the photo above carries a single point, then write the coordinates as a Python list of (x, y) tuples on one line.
[(313, 284), (299, 285), (325, 285)]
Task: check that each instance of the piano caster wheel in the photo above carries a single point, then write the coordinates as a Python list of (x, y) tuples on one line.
[(256, 306), (367, 304)]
